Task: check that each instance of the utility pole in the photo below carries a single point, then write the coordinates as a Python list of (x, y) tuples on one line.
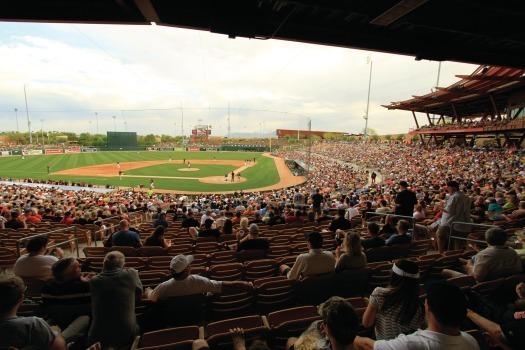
[(42, 130), (27, 114), (182, 121), (228, 119)]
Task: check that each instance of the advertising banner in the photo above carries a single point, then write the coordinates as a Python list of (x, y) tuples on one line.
[(72, 150), (53, 151), (194, 149), (88, 150), (33, 151)]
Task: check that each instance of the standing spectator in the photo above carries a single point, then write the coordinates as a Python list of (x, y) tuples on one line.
[(317, 202), (455, 209), (298, 199), (405, 200), (396, 309), (113, 294), (23, 332)]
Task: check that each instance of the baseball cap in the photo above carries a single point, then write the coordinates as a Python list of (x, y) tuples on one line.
[(403, 183), (180, 262)]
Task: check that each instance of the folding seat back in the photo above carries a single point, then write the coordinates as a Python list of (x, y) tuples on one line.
[(290, 323), (351, 283), (259, 269), (314, 290)]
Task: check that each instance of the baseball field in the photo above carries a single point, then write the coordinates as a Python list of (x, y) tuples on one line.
[(178, 172)]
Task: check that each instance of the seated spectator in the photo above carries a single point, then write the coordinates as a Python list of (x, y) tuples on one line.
[(493, 262), (446, 308), (383, 207), (505, 326), (15, 221), (252, 240), (256, 218), (161, 221), (275, 219), (339, 326), (23, 332), (396, 309), (156, 239), (315, 262), (113, 294), (324, 216), (388, 228), (190, 221), (36, 264), (375, 239), (340, 223), (295, 219), (32, 216), (184, 283), (67, 300), (208, 215), (125, 237), (516, 214), (67, 219), (402, 236), (494, 206), (419, 213), (206, 231), (478, 214), (352, 211), (219, 222), (227, 227), (350, 255)]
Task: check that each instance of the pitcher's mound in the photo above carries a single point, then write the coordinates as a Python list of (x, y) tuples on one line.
[(188, 169)]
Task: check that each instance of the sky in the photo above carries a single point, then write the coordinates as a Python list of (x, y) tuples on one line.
[(164, 80)]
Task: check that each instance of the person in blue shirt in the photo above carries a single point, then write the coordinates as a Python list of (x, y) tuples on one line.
[(126, 237), (402, 236)]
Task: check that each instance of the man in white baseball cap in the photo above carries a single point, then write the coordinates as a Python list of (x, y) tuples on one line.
[(184, 283)]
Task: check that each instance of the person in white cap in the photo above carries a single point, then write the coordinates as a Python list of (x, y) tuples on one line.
[(184, 283)]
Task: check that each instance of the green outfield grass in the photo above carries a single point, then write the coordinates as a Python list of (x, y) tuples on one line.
[(263, 173)]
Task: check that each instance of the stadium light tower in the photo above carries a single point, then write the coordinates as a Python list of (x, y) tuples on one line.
[(368, 60), (96, 117), (27, 114), (115, 122), (16, 116), (42, 130), (91, 126)]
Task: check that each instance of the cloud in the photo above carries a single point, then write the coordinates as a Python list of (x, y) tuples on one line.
[(142, 75)]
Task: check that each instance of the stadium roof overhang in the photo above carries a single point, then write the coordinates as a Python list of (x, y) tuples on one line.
[(481, 32), (487, 88)]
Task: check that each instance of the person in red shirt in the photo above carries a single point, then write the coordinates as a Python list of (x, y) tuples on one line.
[(68, 219)]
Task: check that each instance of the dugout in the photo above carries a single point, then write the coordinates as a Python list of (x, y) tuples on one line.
[(118, 140)]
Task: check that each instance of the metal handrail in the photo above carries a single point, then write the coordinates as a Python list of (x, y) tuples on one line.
[(18, 242), (96, 228), (450, 237)]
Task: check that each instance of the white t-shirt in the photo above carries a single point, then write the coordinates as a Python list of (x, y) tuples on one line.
[(428, 340), (38, 266), (194, 284)]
